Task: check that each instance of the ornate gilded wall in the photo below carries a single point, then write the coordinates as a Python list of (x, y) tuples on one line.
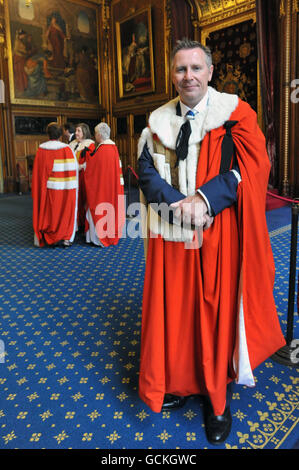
[(135, 38)]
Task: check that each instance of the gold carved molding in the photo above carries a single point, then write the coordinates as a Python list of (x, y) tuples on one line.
[(2, 31), (282, 7), (226, 23), (105, 14), (2, 23), (167, 37), (213, 11)]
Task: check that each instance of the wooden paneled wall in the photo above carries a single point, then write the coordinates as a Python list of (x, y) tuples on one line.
[(25, 148)]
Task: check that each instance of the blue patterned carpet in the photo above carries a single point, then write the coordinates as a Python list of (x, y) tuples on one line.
[(70, 329)]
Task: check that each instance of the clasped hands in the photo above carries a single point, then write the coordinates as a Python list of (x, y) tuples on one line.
[(192, 211)]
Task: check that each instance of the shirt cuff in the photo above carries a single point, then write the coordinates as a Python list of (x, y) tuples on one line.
[(237, 175), (206, 201)]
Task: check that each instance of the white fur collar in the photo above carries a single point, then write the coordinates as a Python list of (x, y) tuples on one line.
[(166, 124), (53, 145), (108, 142), (105, 142), (81, 145)]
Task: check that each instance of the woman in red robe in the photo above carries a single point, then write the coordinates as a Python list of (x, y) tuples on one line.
[(81, 146)]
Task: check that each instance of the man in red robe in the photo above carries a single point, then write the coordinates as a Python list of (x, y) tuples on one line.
[(208, 316), (54, 191), (104, 185)]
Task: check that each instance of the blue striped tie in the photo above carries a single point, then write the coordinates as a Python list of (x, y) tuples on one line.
[(190, 115)]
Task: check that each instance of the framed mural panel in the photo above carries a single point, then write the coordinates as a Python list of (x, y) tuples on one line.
[(53, 52), (134, 45)]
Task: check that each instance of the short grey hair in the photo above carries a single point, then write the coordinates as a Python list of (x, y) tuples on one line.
[(186, 43), (103, 129)]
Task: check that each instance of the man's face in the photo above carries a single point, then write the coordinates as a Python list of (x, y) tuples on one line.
[(190, 75)]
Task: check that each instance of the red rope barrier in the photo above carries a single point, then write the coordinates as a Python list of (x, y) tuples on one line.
[(132, 170), (282, 198)]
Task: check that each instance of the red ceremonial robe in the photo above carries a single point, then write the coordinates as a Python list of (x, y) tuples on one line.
[(81, 156), (105, 193), (54, 193), (209, 315)]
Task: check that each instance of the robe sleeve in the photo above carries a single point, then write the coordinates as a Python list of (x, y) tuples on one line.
[(220, 192), (257, 263)]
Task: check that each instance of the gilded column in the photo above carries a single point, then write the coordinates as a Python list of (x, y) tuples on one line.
[(194, 20), (7, 135), (168, 47), (2, 97), (285, 14), (4, 163), (107, 76), (294, 105)]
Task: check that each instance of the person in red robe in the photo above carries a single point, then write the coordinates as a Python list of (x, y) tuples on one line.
[(81, 146), (56, 38), (54, 191), (104, 185), (208, 313)]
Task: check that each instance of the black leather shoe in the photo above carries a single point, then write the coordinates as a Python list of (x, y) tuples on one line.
[(217, 427), (172, 401)]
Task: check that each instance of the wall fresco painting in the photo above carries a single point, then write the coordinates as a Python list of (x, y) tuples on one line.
[(53, 53)]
